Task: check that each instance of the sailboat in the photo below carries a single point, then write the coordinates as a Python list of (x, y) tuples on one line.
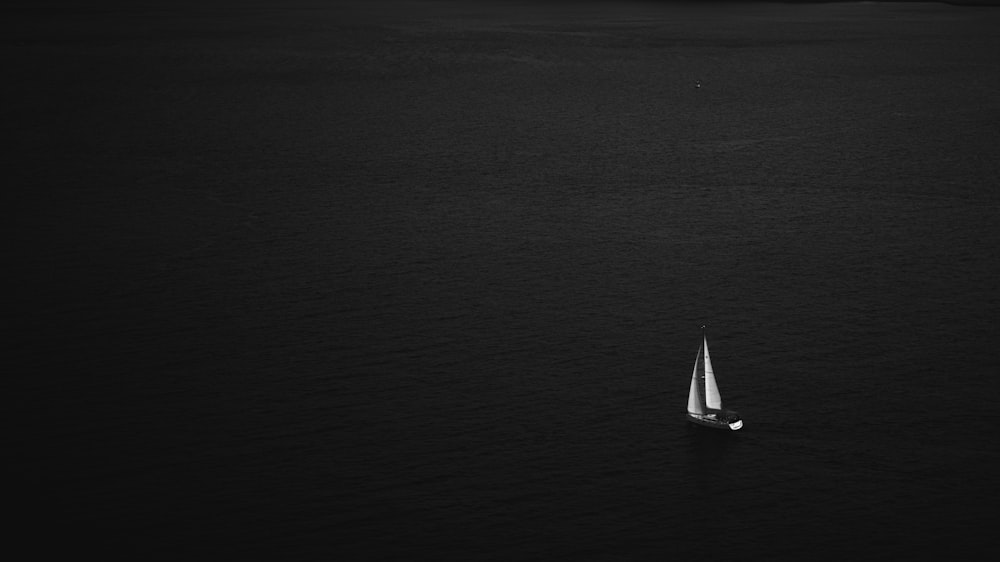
[(704, 401)]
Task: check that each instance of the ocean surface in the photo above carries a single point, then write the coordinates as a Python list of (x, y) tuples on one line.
[(412, 280)]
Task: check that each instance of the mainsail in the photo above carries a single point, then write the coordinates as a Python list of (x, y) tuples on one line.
[(712, 397)]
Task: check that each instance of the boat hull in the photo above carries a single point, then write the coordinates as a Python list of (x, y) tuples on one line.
[(715, 423)]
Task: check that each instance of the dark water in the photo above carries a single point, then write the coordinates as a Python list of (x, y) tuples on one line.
[(426, 280)]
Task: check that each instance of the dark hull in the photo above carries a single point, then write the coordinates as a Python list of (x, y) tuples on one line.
[(715, 423)]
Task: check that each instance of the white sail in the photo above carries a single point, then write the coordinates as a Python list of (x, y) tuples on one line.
[(694, 397), (712, 397)]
